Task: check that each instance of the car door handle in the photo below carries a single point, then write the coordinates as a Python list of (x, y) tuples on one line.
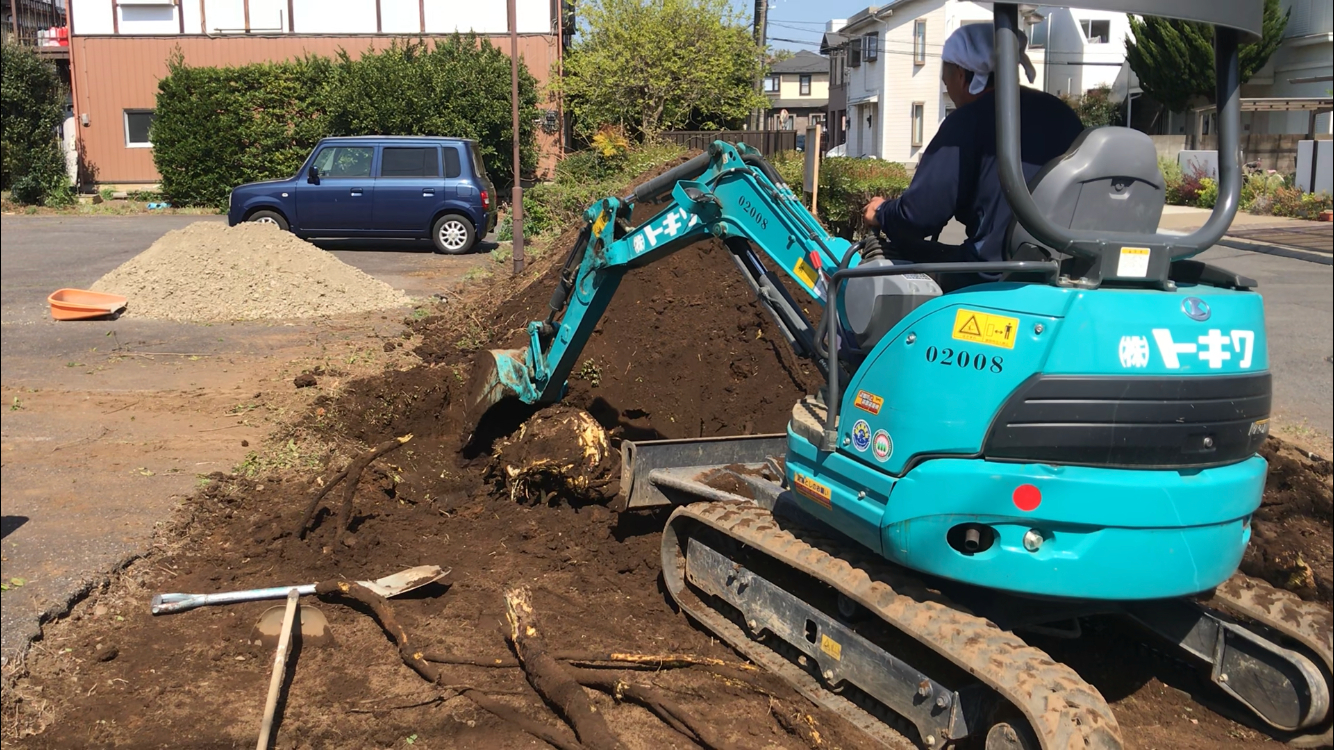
[(428, 192), (356, 191)]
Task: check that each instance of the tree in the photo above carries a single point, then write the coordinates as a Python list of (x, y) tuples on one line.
[(1175, 59), (458, 87), (653, 65), (1096, 107), (32, 163)]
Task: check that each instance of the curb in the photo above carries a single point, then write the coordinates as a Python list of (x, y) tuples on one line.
[(1280, 250)]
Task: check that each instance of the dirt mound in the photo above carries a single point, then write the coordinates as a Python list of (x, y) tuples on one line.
[(1291, 543), (208, 272)]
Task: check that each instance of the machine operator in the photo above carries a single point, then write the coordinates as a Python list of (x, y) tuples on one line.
[(957, 174)]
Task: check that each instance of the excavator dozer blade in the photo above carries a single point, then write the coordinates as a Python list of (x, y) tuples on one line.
[(497, 374)]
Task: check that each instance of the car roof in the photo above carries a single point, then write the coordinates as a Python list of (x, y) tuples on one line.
[(431, 138)]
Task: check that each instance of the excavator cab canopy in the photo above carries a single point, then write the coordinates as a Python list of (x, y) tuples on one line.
[(1097, 207)]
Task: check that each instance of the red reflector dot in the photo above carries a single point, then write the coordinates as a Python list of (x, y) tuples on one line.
[(1027, 497)]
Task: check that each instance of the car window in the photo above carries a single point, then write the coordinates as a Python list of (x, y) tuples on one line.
[(411, 162), (477, 163), (344, 161), (453, 168)]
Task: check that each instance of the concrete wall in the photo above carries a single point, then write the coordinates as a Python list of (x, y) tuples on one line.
[(1273, 150), (1168, 146)]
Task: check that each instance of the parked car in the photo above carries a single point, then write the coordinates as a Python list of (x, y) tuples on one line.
[(380, 187)]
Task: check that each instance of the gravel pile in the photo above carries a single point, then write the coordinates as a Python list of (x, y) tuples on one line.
[(211, 272)]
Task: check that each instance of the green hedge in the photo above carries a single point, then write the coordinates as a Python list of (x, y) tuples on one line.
[(32, 163), (846, 184), (216, 128)]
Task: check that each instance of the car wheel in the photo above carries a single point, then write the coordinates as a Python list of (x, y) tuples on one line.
[(453, 234), (269, 217)]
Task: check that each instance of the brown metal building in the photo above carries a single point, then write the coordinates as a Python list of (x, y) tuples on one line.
[(114, 75)]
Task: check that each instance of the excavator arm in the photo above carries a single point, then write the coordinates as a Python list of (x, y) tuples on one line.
[(729, 192)]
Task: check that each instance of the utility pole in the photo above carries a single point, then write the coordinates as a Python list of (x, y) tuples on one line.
[(516, 195), (761, 40)]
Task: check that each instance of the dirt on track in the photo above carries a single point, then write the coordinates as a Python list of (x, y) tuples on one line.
[(683, 351)]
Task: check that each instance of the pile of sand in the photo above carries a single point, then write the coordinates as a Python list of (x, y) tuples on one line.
[(211, 272)]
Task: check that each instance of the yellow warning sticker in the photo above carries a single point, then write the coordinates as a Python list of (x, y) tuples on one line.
[(600, 224), (805, 272), (1133, 262), (814, 491), (831, 647), (985, 328)]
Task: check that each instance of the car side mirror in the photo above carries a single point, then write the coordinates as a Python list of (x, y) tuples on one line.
[(314, 177)]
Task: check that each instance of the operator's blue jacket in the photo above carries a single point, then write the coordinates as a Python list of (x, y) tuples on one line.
[(957, 176)]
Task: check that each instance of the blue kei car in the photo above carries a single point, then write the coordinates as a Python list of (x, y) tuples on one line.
[(379, 187)]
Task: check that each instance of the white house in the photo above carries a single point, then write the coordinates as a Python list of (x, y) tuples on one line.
[(894, 97)]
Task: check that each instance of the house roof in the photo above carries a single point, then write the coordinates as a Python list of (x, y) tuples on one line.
[(802, 62)]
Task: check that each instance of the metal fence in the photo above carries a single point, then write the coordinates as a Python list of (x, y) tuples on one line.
[(767, 142), (22, 20)]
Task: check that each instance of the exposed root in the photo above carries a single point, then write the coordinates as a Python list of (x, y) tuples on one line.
[(350, 477), (552, 680), (663, 707)]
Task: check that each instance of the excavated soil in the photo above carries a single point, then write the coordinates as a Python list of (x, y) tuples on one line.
[(683, 351), (209, 272)]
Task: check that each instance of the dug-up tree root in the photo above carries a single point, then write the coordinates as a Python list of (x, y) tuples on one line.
[(350, 477), (550, 674)]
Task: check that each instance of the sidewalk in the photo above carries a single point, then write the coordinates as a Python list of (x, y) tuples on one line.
[(1292, 238)]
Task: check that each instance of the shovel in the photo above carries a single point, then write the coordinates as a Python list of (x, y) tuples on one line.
[(389, 586)]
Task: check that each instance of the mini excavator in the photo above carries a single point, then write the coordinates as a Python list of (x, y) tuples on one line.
[(1077, 438)]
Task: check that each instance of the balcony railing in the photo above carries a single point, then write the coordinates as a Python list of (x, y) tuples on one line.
[(29, 21)]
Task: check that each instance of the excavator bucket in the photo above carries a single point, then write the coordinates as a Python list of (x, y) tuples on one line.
[(497, 374)]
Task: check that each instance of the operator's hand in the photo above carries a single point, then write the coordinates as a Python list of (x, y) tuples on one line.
[(868, 213)]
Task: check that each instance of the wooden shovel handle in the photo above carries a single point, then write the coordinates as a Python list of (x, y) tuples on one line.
[(279, 668)]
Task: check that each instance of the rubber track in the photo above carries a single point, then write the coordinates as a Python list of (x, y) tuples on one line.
[(1307, 623), (1065, 712)]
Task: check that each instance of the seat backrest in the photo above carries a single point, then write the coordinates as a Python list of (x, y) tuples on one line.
[(1108, 180)]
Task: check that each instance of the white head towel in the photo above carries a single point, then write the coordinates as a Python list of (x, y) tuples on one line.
[(973, 48)]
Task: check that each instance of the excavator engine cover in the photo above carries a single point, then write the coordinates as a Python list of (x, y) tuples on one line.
[(873, 305)]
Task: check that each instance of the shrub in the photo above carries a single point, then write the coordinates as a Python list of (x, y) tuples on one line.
[(1172, 180), (1095, 108), (1293, 203), (847, 184), (1208, 193), (264, 118), (32, 163)]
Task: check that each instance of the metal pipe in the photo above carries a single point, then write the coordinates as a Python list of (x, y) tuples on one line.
[(516, 194), (830, 438)]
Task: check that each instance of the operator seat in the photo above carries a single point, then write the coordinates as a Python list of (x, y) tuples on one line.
[(1108, 180)]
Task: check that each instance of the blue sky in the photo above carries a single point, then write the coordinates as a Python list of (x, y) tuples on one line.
[(801, 21)]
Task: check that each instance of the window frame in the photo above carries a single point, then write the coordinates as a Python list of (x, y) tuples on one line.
[(804, 84), (917, 114), (871, 46), (125, 120), (855, 53), (1086, 25), (919, 42), (773, 83), (370, 169)]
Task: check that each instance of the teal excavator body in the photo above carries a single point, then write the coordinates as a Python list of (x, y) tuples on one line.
[(1032, 435)]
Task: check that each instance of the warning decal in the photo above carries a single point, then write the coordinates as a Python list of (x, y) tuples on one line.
[(985, 328), (802, 270), (831, 647), (813, 490)]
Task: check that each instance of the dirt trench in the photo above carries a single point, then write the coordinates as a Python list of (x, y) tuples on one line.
[(683, 351)]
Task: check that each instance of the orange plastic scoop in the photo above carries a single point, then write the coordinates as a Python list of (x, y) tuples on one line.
[(81, 304)]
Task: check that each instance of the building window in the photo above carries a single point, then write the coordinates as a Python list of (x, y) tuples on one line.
[(805, 85), (137, 124), (871, 47), (919, 42), (918, 122), (1037, 34), (855, 53), (770, 84), (1097, 32)]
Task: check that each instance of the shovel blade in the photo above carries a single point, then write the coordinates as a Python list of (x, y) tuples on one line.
[(406, 580), (312, 623)]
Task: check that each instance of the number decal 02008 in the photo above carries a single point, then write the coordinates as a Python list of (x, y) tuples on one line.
[(964, 359)]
